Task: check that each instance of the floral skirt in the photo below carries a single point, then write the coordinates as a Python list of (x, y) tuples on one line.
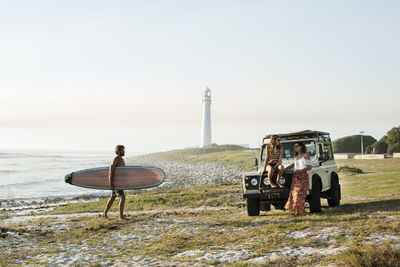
[(298, 193)]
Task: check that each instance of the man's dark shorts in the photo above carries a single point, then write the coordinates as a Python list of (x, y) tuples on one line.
[(119, 192)]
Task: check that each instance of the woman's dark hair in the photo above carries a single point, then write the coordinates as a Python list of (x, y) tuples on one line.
[(303, 148), (272, 142)]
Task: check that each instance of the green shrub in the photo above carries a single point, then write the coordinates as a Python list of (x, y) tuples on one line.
[(350, 170), (393, 140), (381, 146)]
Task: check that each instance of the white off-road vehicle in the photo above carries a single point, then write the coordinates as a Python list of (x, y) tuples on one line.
[(323, 177)]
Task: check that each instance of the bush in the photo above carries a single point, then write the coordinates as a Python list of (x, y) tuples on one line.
[(350, 170), (393, 140), (352, 144), (381, 146), (390, 143), (371, 255)]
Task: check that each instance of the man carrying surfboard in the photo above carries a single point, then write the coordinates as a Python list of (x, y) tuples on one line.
[(117, 162)]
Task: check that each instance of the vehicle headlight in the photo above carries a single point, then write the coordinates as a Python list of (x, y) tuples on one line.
[(266, 181), (254, 181), (282, 180)]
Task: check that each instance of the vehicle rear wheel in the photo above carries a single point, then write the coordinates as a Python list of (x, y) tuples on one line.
[(334, 199), (253, 206), (315, 197)]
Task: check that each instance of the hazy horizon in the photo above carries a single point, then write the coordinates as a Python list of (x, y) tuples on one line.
[(89, 75)]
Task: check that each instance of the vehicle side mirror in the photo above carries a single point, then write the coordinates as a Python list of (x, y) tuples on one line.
[(324, 156), (255, 162)]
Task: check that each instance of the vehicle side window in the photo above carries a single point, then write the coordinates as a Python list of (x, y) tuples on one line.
[(320, 151), (263, 153), (328, 148)]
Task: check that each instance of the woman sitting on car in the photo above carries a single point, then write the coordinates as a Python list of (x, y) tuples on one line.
[(298, 191), (273, 160)]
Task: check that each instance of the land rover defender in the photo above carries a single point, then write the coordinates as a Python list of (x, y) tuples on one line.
[(323, 177)]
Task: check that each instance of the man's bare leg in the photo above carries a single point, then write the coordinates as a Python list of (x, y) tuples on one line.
[(108, 206), (121, 207)]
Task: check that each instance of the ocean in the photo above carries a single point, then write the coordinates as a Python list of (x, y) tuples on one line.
[(34, 176)]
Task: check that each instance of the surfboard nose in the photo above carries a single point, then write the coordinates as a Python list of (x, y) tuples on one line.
[(68, 178)]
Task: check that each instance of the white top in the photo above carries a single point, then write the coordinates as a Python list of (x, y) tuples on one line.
[(301, 163)]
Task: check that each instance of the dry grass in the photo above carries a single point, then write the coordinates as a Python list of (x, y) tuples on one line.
[(370, 255)]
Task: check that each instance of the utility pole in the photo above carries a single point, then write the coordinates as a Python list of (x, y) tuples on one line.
[(362, 145)]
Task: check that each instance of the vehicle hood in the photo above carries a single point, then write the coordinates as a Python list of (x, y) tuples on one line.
[(253, 173)]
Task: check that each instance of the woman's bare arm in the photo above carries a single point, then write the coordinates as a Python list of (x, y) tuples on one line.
[(266, 158), (280, 157)]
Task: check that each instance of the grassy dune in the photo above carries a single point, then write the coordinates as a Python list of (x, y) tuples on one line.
[(232, 156), (211, 218)]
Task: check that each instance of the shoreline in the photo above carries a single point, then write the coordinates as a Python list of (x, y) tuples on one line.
[(178, 175)]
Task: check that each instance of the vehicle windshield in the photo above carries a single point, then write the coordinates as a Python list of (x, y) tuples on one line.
[(288, 149)]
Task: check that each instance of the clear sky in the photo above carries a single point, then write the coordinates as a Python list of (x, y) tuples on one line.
[(88, 75)]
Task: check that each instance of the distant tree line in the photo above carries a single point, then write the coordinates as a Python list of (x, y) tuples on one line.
[(389, 143)]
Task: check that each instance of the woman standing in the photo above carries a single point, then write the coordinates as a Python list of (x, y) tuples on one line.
[(298, 191), (273, 160)]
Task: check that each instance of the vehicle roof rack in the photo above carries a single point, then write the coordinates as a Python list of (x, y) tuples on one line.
[(302, 135)]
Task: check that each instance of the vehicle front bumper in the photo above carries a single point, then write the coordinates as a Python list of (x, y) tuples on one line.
[(269, 194)]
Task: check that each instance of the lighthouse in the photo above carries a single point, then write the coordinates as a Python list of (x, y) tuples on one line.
[(206, 123)]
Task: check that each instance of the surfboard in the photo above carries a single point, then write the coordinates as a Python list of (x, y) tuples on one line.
[(125, 178)]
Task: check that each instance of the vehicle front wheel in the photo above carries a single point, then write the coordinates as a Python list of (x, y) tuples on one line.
[(334, 199), (315, 197), (253, 206)]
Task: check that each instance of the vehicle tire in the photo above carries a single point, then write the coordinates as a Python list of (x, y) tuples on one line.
[(265, 206), (253, 206), (280, 206), (315, 197), (334, 199)]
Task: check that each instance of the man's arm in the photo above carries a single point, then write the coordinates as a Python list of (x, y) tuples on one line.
[(111, 172)]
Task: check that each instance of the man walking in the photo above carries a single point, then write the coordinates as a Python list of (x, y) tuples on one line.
[(117, 162)]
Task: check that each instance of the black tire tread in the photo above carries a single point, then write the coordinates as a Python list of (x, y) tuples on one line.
[(334, 199), (315, 197), (253, 207)]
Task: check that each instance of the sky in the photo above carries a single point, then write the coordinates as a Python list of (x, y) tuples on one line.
[(87, 75)]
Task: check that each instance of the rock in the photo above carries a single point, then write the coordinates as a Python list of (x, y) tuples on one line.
[(183, 174)]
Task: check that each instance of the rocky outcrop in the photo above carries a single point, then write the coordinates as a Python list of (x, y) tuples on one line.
[(183, 174)]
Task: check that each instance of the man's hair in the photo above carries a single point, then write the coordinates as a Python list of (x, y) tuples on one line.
[(118, 148)]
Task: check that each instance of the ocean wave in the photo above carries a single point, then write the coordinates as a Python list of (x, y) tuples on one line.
[(9, 171), (26, 155), (32, 182)]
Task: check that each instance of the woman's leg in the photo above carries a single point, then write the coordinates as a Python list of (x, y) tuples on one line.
[(301, 198), (289, 203), (270, 171), (281, 170)]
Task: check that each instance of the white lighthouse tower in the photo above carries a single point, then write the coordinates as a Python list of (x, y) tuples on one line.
[(206, 124)]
